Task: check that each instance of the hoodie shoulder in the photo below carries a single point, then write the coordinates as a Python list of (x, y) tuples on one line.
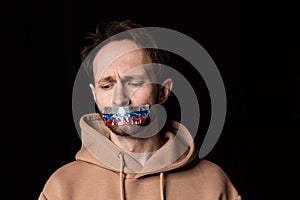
[(212, 173), (209, 168), (216, 179), (58, 182)]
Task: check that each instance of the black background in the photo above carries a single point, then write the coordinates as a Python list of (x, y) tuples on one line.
[(253, 44)]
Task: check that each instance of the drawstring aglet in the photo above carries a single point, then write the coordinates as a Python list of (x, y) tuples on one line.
[(121, 156)]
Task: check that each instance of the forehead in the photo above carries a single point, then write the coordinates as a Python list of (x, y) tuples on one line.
[(118, 55)]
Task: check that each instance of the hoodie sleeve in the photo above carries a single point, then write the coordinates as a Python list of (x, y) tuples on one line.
[(217, 181), (230, 192), (56, 186), (42, 196), (51, 190)]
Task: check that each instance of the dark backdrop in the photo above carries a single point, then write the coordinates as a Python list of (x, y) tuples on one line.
[(252, 44)]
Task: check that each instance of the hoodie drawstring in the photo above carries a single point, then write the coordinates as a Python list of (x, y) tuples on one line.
[(122, 196), (121, 156), (162, 189)]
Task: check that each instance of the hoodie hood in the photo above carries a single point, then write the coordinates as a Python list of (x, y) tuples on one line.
[(97, 148)]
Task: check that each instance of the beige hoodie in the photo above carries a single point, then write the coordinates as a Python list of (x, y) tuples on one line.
[(103, 171)]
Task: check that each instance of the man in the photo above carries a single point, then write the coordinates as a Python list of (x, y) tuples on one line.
[(129, 151)]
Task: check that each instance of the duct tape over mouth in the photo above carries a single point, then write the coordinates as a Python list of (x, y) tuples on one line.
[(125, 115)]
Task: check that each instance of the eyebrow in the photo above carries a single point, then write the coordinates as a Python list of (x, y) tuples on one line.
[(106, 79), (128, 78), (125, 78)]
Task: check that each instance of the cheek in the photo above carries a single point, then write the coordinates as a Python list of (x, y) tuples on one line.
[(103, 99), (146, 94)]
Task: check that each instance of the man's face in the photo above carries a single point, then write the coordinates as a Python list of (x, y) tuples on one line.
[(124, 81)]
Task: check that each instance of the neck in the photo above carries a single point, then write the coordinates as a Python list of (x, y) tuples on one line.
[(137, 145)]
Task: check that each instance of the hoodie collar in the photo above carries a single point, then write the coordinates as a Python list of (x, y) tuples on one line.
[(97, 148)]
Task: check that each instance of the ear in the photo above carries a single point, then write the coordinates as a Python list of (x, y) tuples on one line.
[(165, 90), (93, 91)]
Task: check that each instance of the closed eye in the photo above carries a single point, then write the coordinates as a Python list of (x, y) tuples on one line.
[(135, 84)]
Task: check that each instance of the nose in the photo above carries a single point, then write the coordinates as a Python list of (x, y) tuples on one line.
[(120, 96)]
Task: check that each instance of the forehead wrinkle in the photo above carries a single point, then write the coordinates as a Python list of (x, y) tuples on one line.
[(125, 64), (131, 74), (110, 53)]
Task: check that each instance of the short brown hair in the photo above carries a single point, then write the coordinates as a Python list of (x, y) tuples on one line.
[(104, 34)]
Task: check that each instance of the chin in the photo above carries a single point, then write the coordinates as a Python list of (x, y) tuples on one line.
[(126, 130)]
